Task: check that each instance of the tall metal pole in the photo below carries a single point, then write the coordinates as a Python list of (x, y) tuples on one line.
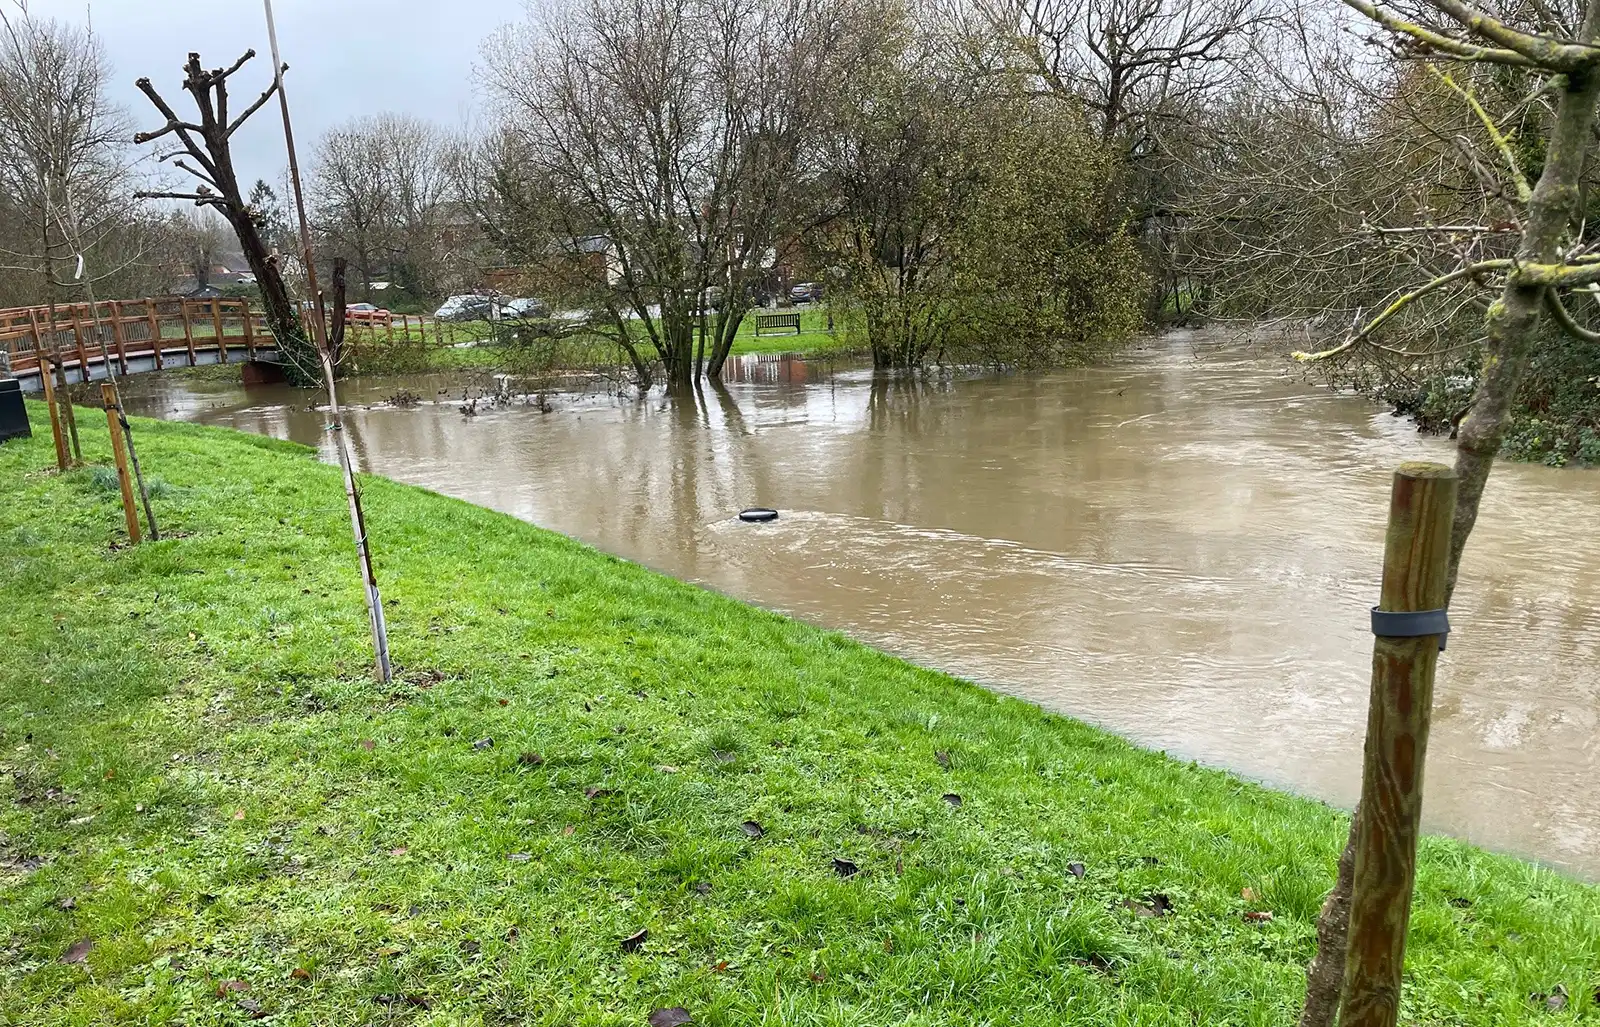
[(358, 523)]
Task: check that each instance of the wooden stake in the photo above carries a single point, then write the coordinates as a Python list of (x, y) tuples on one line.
[(46, 375), (216, 328), (1415, 565), (108, 393)]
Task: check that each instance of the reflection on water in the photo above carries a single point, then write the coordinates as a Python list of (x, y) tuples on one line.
[(1181, 547)]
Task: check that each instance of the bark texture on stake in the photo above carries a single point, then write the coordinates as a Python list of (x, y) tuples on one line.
[(108, 393), (1415, 573)]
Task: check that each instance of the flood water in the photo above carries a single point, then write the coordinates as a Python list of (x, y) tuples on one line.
[(1181, 547)]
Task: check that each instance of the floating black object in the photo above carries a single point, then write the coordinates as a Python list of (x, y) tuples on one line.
[(14, 417), (758, 515)]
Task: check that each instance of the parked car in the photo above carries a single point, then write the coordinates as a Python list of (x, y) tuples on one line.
[(806, 292), (367, 314), (524, 307), (469, 307)]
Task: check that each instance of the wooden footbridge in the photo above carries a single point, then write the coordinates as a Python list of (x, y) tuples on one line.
[(133, 335)]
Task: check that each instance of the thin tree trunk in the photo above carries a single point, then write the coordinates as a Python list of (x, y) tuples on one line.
[(1325, 975)]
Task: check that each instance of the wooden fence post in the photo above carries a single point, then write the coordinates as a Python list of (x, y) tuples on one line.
[(47, 377), (108, 394), (1416, 554)]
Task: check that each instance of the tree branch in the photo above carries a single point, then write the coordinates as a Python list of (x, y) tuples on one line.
[(1541, 50), (1563, 318), (263, 98), (1405, 301), (1440, 42)]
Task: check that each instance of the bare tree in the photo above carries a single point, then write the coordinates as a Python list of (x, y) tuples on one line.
[(378, 187), (68, 217), (678, 133), (1132, 63), (207, 143), (199, 239)]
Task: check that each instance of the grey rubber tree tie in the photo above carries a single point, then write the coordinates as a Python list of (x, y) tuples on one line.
[(1411, 624)]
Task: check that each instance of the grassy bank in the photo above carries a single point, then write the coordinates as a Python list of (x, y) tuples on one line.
[(209, 811), (410, 353)]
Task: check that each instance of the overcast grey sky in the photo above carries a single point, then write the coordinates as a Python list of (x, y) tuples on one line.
[(346, 58)]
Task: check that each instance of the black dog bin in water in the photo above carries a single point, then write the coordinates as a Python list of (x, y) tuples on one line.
[(13, 415), (758, 515)]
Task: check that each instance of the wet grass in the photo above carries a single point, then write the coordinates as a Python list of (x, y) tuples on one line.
[(210, 812)]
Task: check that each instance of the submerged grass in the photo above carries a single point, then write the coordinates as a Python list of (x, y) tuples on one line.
[(209, 812)]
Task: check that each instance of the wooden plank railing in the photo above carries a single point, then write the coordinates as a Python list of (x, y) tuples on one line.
[(155, 333), (165, 331)]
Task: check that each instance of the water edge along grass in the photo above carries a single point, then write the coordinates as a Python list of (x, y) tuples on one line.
[(209, 811)]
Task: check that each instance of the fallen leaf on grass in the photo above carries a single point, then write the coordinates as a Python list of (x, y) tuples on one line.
[(752, 828), (368, 744), (635, 941), (79, 952), (952, 798), (1153, 905), (67, 903), (703, 887), (1247, 894), (819, 976), (390, 950), (531, 759), (674, 1016), (1555, 1001), (300, 973), (483, 743), (943, 757), (419, 1001), (566, 832), (252, 1007), (667, 769), (401, 851), (238, 814), (1077, 869), (719, 967), (1261, 917), (504, 702), (844, 867), (226, 987)]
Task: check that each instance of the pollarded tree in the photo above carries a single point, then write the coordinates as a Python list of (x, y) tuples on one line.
[(208, 143)]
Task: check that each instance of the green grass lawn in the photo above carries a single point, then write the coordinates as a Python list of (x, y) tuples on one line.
[(209, 811), (374, 353)]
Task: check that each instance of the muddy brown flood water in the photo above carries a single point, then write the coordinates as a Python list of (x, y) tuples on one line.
[(1181, 547)]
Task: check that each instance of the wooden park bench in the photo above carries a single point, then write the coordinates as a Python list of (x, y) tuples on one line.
[(772, 322)]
